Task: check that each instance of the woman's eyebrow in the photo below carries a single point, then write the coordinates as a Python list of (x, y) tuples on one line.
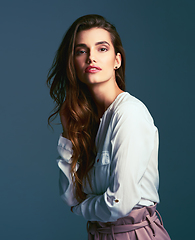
[(80, 45), (97, 43), (102, 42)]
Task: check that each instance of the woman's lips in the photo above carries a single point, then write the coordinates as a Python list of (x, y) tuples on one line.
[(92, 69)]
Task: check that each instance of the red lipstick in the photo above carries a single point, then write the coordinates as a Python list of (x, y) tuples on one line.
[(92, 69)]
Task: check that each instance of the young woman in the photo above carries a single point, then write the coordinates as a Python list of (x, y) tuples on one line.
[(109, 144)]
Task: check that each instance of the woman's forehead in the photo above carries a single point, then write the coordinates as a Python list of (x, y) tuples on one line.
[(92, 36)]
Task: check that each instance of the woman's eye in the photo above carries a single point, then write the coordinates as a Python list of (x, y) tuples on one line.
[(103, 49), (80, 52)]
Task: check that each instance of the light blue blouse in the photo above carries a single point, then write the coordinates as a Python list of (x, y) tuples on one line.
[(125, 173)]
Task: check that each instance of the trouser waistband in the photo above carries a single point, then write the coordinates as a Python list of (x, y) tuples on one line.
[(95, 229), (122, 228)]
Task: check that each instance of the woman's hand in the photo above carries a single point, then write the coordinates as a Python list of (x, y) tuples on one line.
[(63, 119)]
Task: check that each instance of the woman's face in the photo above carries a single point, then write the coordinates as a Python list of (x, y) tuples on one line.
[(94, 56)]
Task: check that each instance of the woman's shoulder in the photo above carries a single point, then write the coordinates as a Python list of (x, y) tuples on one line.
[(129, 106)]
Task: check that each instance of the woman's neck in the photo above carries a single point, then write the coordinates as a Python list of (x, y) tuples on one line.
[(104, 95)]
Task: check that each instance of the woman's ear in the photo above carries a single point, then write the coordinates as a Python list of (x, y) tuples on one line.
[(118, 61)]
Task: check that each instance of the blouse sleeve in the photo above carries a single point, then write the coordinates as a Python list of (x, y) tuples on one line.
[(65, 180), (133, 137)]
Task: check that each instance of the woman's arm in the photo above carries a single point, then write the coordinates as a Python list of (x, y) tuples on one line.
[(64, 162), (133, 142), (65, 179)]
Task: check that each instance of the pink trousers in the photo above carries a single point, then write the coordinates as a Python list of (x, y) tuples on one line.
[(140, 224)]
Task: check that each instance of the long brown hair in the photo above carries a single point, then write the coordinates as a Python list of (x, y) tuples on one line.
[(80, 109)]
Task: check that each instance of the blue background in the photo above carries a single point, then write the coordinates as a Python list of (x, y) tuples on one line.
[(159, 38)]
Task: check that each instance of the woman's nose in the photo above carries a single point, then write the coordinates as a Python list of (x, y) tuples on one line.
[(91, 57)]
